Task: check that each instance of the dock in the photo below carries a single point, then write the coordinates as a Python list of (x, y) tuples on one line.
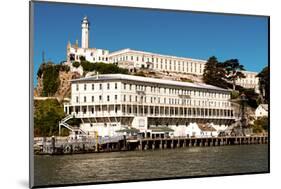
[(122, 143)]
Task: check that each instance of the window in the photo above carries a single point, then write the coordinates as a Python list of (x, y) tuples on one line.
[(77, 99), (85, 99), (77, 87), (108, 86), (93, 86), (115, 85), (100, 86), (93, 98), (130, 98), (108, 98), (130, 86), (100, 98), (125, 86), (115, 97), (124, 98)]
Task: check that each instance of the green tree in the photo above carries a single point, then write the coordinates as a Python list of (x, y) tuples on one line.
[(261, 124), (264, 84), (49, 72), (82, 58), (51, 80), (47, 114), (102, 68), (214, 73), (76, 64), (233, 71)]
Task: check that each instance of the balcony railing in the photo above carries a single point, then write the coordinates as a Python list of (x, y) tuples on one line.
[(119, 114)]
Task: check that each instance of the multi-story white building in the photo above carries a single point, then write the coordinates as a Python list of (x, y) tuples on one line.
[(109, 103), (134, 59), (250, 81), (128, 58)]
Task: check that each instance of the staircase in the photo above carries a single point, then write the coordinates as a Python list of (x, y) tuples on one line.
[(63, 123)]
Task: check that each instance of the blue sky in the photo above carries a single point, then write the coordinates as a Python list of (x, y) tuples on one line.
[(187, 34)]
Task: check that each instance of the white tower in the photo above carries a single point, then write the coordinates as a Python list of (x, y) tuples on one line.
[(85, 33)]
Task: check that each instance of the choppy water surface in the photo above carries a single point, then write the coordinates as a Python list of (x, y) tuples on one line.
[(116, 166)]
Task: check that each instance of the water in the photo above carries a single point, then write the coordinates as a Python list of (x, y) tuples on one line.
[(133, 165)]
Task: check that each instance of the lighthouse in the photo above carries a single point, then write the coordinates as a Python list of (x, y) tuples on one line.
[(85, 33)]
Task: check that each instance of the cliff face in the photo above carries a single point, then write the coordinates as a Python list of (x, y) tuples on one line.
[(63, 90), (64, 87)]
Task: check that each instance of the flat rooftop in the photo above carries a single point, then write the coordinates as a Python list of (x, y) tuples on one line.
[(121, 51)]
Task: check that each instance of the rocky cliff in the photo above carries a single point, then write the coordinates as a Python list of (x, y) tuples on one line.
[(63, 90)]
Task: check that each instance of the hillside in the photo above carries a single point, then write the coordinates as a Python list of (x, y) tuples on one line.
[(61, 89), (61, 75)]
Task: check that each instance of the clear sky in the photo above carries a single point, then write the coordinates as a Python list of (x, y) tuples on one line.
[(186, 34)]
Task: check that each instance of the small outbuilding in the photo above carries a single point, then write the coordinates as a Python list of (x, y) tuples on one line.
[(201, 130), (261, 111)]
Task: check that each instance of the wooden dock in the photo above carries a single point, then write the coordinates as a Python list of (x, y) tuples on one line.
[(170, 143), (130, 144)]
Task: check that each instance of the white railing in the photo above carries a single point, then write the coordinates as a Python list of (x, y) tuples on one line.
[(67, 118)]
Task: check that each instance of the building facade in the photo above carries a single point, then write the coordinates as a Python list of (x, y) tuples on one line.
[(262, 111), (250, 81), (135, 59), (128, 58), (155, 107), (75, 53)]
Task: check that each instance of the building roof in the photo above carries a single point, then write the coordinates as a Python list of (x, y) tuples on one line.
[(249, 72), (127, 50), (106, 77)]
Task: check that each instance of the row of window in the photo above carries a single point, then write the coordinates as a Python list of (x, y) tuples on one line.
[(158, 90), (162, 90), (163, 63), (151, 110), (93, 98), (170, 101), (100, 86), (247, 81)]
